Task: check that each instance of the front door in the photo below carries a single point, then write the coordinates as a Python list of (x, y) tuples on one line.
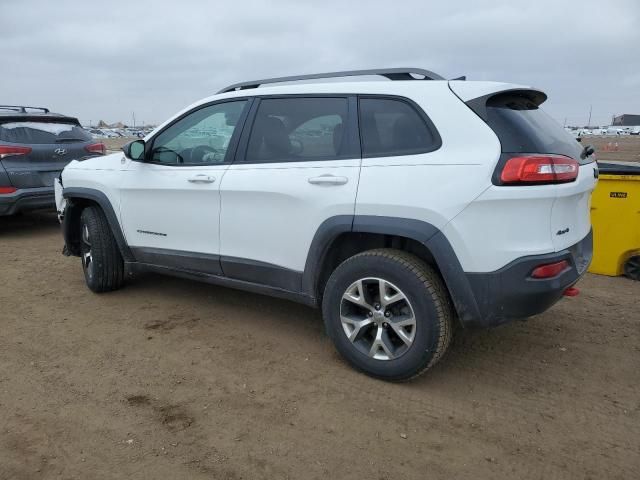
[(170, 203)]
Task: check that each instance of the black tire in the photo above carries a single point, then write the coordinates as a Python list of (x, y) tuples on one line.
[(102, 263), (426, 297), (632, 268)]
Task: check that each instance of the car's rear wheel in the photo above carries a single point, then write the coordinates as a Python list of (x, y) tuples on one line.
[(102, 263), (388, 314)]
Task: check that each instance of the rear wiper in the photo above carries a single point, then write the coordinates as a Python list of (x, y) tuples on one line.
[(66, 140), (587, 151)]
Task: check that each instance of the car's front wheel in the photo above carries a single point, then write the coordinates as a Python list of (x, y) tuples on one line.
[(388, 314), (101, 260)]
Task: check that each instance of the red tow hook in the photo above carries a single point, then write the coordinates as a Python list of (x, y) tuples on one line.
[(571, 292)]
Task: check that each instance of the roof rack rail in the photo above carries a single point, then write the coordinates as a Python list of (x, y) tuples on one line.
[(390, 73), (22, 108)]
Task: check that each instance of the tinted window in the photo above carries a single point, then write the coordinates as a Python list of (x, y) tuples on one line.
[(202, 137), (523, 127), (393, 127), (298, 129), (35, 132)]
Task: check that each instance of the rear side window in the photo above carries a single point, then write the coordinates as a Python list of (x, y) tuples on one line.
[(394, 127), (299, 129), (523, 127), (33, 132)]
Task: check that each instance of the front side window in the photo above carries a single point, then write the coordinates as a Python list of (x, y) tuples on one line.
[(202, 137), (299, 129), (393, 127)]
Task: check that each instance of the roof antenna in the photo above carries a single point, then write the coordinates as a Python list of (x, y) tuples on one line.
[(463, 77)]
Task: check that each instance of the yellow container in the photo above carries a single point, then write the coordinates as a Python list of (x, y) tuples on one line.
[(615, 216)]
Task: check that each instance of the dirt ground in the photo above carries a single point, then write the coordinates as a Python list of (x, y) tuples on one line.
[(172, 379), (627, 150)]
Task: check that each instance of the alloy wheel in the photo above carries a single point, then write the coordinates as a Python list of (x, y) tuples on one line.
[(87, 258), (378, 318)]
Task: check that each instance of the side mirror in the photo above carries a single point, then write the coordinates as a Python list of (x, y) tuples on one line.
[(134, 150)]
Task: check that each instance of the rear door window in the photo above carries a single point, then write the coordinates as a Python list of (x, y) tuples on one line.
[(391, 127), (35, 132), (299, 129)]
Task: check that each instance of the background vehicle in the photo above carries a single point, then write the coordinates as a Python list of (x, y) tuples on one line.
[(35, 145), (361, 197)]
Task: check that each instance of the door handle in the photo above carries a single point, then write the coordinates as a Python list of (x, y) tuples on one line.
[(328, 180), (202, 179)]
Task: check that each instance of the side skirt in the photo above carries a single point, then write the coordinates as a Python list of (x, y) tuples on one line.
[(136, 267)]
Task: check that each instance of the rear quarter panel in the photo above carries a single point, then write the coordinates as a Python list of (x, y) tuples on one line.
[(432, 187)]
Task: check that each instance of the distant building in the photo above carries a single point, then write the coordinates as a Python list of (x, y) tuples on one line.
[(626, 120)]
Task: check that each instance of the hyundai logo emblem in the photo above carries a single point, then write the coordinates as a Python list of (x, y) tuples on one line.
[(60, 151)]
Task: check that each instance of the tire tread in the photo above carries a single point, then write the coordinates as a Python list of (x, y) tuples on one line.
[(108, 262)]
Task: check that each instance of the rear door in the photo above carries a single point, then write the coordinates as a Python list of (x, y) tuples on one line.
[(299, 166), (34, 150)]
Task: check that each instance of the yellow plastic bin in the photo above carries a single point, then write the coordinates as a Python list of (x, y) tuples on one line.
[(615, 216)]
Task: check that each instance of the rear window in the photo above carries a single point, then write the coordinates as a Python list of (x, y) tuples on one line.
[(33, 132), (393, 127), (523, 127)]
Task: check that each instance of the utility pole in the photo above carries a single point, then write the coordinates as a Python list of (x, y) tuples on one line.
[(590, 108), (565, 122), (133, 114)]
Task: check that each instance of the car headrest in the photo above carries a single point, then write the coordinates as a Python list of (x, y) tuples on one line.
[(337, 138)]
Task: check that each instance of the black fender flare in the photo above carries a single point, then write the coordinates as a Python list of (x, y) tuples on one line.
[(425, 233), (98, 197)]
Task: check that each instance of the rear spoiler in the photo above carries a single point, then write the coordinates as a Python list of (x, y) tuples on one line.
[(38, 118), (527, 98)]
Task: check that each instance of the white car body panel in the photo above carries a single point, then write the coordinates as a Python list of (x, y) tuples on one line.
[(98, 173), (507, 223), (270, 212), (162, 208)]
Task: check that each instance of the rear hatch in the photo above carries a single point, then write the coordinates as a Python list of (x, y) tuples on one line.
[(525, 130), (34, 150)]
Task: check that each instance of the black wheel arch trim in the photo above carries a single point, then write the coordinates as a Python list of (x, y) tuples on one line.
[(98, 197), (425, 233)]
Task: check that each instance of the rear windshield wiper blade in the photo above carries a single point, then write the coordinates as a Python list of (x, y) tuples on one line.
[(66, 140)]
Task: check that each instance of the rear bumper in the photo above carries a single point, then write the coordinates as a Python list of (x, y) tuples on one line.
[(510, 293), (27, 199)]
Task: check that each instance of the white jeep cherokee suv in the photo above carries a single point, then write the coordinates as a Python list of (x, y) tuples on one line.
[(399, 207)]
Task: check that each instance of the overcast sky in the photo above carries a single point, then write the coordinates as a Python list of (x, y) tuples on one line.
[(106, 59)]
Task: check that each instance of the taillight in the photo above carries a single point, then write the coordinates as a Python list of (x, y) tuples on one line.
[(550, 270), (96, 148), (539, 169), (10, 150), (6, 190)]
